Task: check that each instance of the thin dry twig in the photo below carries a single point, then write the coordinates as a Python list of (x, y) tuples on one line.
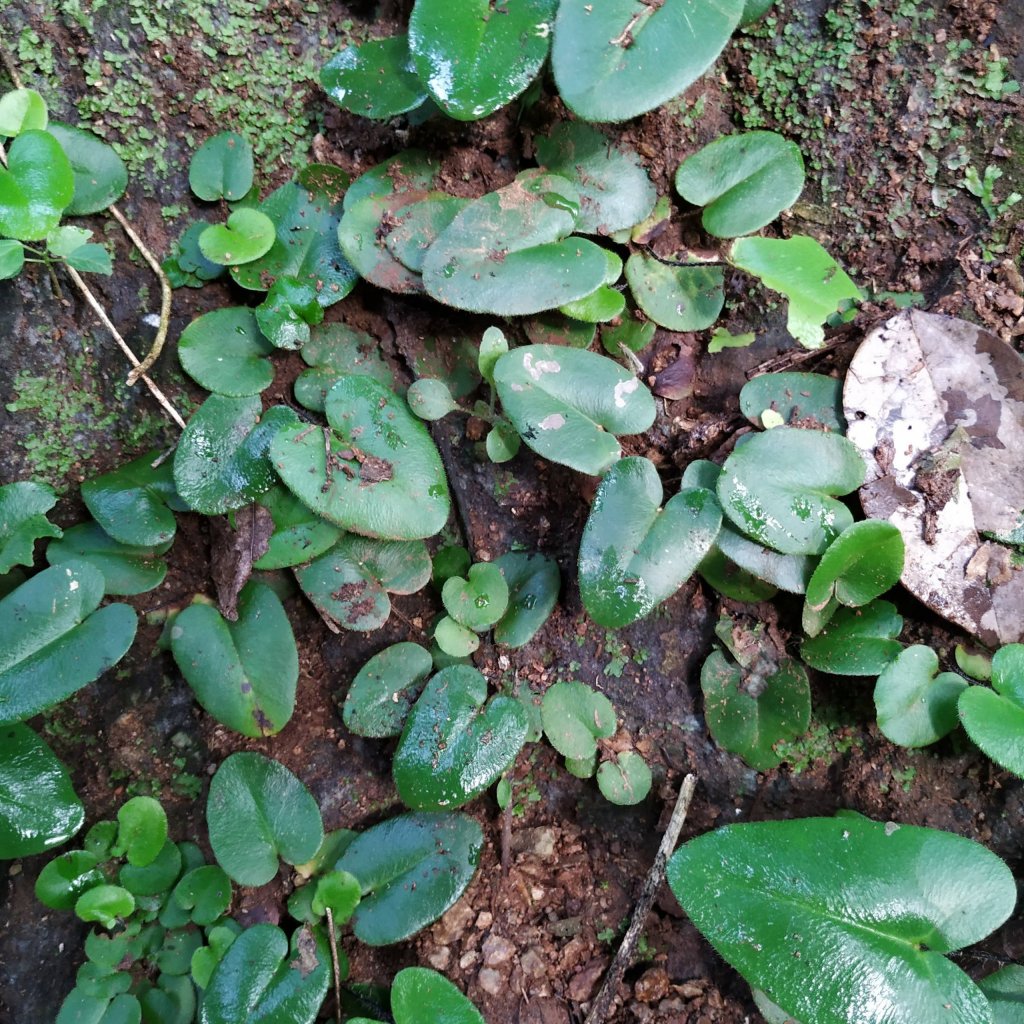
[(624, 957), (334, 963)]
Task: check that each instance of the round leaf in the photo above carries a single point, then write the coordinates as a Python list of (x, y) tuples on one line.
[(20, 110), (248, 235), (100, 175), (333, 351), (206, 892), (856, 642), (105, 904), (339, 891), (222, 168), (915, 706), (384, 689), (533, 585), (994, 719), (142, 830), (419, 996), (23, 508), (226, 352), (479, 601), (796, 398), (575, 717), (66, 877), (455, 640), (126, 569), (375, 79), (626, 780), (156, 877), (36, 186), (12, 258), (430, 399), (679, 298)]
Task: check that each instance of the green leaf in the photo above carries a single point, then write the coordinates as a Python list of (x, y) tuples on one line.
[(554, 328), (226, 352), (856, 642), (333, 351), (568, 404), (340, 891), (384, 689), (91, 259), (100, 175), (127, 569), (53, 641), (474, 58), (385, 478), (287, 312), (410, 231), (621, 58), (243, 673), (190, 258), (257, 981), (411, 869), (409, 171), (156, 877), (754, 9), (258, 811), (221, 462), (455, 742), (502, 442), (64, 240), (430, 399), (299, 534), (450, 560), (777, 488), (749, 711), (142, 831), (763, 892), (615, 191), (422, 996), (23, 508), (915, 706), (575, 717), (721, 339), (455, 639), (35, 188), (349, 584), (508, 253), (375, 79), (533, 585), (1005, 993), (247, 235), (743, 181), (634, 333), (81, 1008), (493, 345), (598, 307), (636, 553), (222, 168), (105, 904), (479, 601), (626, 780), (994, 719), (679, 298), (306, 244), (12, 258), (205, 892), (21, 110), (815, 285), (795, 398), (66, 877)]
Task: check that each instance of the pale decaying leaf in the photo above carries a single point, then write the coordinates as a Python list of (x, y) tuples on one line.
[(936, 407), (233, 551)]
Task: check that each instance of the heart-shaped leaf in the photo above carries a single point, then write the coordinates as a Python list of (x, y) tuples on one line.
[(257, 812), (796, 399), (384, 477), (243, 673), (915, 706), (107, 905), (333, 351), (384, 689), (533, 585), (474, 58), (36, 186), (349, 584), (287, 312), (38, 805), (99, 173), (455, 640), (778, 487), (23, 508), (857, 642), (743, 181), (635, 553), (679, 298), (82, 1008), (247, 235), (815, 285), (994, 718), (306, 244), (478, 601), (12, 258), (575, 717), (421, 996), (205, 892), (53, 641), (222, 168), (258, 982), (156, 877), (21, 110), (621, 58), (568, 404), (127, 569), (870, 950), (226, 352), (454, 745), (66, 877), (507, 253), (221, 462), (412, 869), (299, 534), (376, 79), (626, 780), (141, 831)]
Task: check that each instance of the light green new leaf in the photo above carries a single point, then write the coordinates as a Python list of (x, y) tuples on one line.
[(21, 110), (36, 186), (994, 718), (575, 717), (222, 168), (100, 174), (12, 258), (915, 706), (419, 996), (247, 235)]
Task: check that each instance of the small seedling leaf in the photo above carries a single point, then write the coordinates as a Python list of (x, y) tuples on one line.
[(205, 892), (626, 780), (247, 235), (222, 168), (856, 642), (36, 186), (156, 877), (12, 258), (339, 891), (915, 706), (430, 399), (23, 508), (454, 639), (287, 313), (533, 585), (226, 352), (66, 877), (21, 110), (107, 905), (479, 601), (574, 717), (994, 719), (375, 79), (384, 689), (141, 831), (679, 298)]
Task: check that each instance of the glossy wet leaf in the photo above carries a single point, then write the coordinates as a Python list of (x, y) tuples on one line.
[(222, 460), (226, 352), (190, 259), (626, 780), (615, 190), (21, 110), (375, 79), (568, 405), (473, 57), (1005, 993), (422, 996), (12, 258), (53, 641), (916, 703), (479, 600), (247, 235), (856, 642), (107, 905), (862, 563), (815, 285), (533, 584), (335, 350), (36, 186), (100, 175), (575, 717), (748, 712), (66, 877), (430, 399), (141, 830), (205, 892), (222, 168), (778, 488), (795, 398), (454, 639), (127, 569), (763, 892), (508, 253), (260, 982), (384, 689), (350, 583), (299, 534), (38, 805), (156, 877), (679, 298), (288, 311), (23, 508), (994, 719), (385, 476), (619, 59), (411, 869), (305, 247), (455, 742), (743, 181), (257, 812), (243, 673), (636, 552)]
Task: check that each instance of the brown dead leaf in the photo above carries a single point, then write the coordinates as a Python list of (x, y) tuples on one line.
[(235, 550)]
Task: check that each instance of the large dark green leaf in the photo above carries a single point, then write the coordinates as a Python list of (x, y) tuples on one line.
[(23, 508), (375, 79), (533, 585), (867, 950), (225, 351), (127, 569), (36, 186), (100, 174), (384, 689)]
